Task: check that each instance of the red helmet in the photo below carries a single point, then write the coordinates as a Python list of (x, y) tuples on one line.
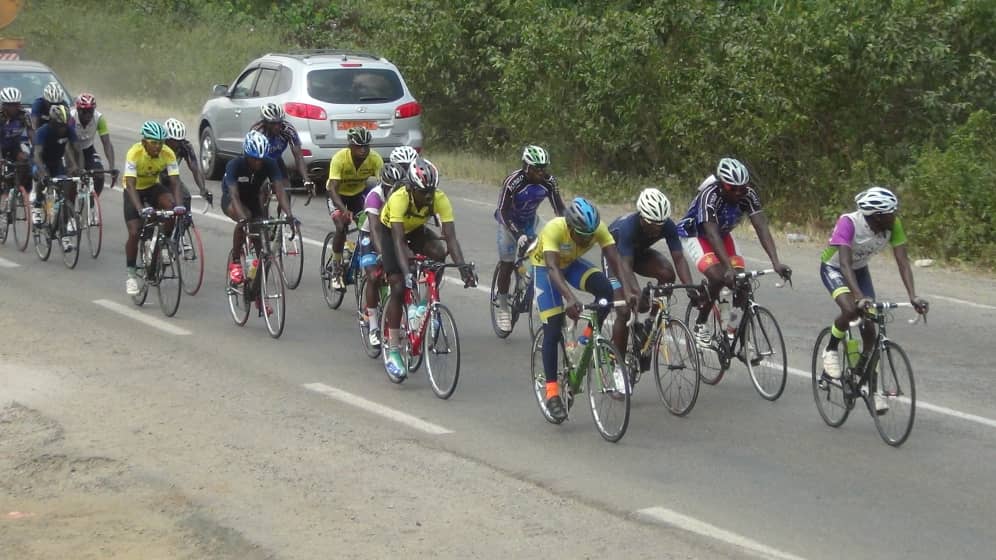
[(86, 101)]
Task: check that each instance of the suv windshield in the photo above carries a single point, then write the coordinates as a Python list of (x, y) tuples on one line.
[(30, 83), (354, 85)]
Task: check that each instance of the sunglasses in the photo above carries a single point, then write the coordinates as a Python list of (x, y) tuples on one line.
[(154, 142)]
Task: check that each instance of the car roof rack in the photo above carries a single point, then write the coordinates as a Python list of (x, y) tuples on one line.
[(344, 53)]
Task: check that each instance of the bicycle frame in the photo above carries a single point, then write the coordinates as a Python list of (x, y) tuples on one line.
[(660, 311), (744, 291), (56, 187), (427, 272), (876, 313), (576, 373)]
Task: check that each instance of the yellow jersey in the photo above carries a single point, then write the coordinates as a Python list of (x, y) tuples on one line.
[(556, 237), (352, 179), (146, 169), (400, 208)]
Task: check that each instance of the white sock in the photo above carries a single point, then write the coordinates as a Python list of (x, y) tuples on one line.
[(373, 316)]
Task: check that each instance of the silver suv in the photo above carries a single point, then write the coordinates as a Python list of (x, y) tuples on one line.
[(325, 93)]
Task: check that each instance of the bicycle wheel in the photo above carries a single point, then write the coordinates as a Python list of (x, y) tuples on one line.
[(711, 367), (363, 321), (828, 393), (290, 254), (609, 402), (539, 378), (494, 304), (238, 300), (764, 354), (43, 243), (405, 347), (441, 348), (6, 205), (19, 217), (93, 222), (141, 271), (676, 367), (69, 219), (169, 282), (191, 260), (895, 384), (273, 296), (333, 297)]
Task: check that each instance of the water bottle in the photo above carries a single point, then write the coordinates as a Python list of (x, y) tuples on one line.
[(724, 306), (416, 314), (54, 211), (734, 322), (853, 351), (585, 335), (253, 265)]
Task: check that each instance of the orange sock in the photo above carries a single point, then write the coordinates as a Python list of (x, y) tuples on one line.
[(552, 389)]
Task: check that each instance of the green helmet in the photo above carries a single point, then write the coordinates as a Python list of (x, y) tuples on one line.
[(152, 130), (535, 156)]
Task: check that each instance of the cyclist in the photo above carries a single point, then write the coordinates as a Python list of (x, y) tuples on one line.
[(635, 234), (15, 133), (240, 193), (403, 231), (90, 123), (51, 143), (144, 190), (706, 233), (53, 94), (391, 175), (558, 265), (281, 135), (844, 270), (347, 188), (521, 194)]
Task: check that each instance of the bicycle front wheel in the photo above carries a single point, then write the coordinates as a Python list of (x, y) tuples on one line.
[(169, 283), (291, 254), (894, 383), (191, 255), (363, 321), (69, 230), (93, 222), (273, 296), (711, 366), (676, 368), (238, 295), (539, 377), (20, 217), (764, 353), (827, 392), (609, 391), (142, 271), (441, 348), (333, 297), (494, 305)]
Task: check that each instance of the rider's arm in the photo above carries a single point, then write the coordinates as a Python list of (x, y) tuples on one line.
[(681, 266), (712, 235), (555, 199), (132, 193), (105, 140), (505, 209), (279, 186), (195, 170), (299, 161), (39, 153), (229, 185), (401, 251), (556, 276), (74, 151), (335, 176), (760, 223), (898, 241), (444, 209), (617, 269)]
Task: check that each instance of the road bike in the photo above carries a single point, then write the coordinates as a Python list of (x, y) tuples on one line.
[(263, 282), (288, 243), (15, 205), (60, 222), (520, 295), (886, 373), (348, 273), (88, 209), (157, 264), (756, 339), (187, 238)]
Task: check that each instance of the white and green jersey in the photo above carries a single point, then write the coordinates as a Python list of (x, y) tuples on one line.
[(89, 133), (853, 231)]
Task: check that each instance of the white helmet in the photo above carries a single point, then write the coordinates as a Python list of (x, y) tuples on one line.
[(272, 112), (535, 156), (10, 95), (653, 206), (53, 93), (732, 172), (404, 155), (175, 129), (876, 200)]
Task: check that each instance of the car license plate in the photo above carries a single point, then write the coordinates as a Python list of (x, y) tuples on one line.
[(346, 125)]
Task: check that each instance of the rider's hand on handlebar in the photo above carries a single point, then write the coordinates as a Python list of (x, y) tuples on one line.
[(209, 197), (783, 270), (573, 309), (864, 303), (921, 305), (468, 276), (729, 277), (147, 211), (179, 210)]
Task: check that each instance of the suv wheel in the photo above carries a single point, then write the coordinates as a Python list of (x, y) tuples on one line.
[(211, 163)]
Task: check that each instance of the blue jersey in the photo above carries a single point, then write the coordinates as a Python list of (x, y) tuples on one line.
[(53, 144), (632, 241), (238, 173), (519, 200), (710, 206), (286, 136), (14, 132), (40, 109)]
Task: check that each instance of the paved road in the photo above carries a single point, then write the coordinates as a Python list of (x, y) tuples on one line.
[(767, 477)]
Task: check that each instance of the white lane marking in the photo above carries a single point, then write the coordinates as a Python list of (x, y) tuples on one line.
[(132, 313), (924, 405), (4, 263), (684, 522), (378, 409), (961, 301)]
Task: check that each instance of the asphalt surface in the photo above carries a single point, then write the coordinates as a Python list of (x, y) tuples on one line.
[(736, 468)]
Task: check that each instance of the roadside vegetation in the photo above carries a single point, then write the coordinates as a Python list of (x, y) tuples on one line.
[(820, 97)]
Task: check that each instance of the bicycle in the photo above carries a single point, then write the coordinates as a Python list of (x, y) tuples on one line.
[(756, 340), (264, 281), (88, 209), (361, 308), (438, 345), (157, 263), (520, 296), (578, 356), (60, 222), (836, 397), (187, 238), (668, 345), (14, 205), (347, 274)]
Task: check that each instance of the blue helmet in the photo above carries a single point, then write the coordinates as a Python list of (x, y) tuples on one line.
[(582, 216), (256, 144)]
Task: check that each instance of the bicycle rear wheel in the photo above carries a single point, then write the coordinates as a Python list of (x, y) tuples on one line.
[(20, 217), (142, 271), (70, 220), (363, 321), (711, 365), (43, 242), (828, 393), (238, 295), (291, 254), (333, 297), (609, 402), (676, 367), (895, 384), (6, 204), (494, 304), (539, 378), (93, 221), (441, 348), (764, 354), (192, 261), (169, 282), (273, 296)]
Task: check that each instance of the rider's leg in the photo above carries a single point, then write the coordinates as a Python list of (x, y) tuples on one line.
[(91, 162)]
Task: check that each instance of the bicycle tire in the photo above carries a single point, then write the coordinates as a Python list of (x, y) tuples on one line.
[(604, 398), (23, 203), (363, 321), (93, 219), (272, 287), (711, 367), (238, 302), (6, 207), (675, 350), (893, 365), (192, 265), (494, 305), (290, 254), (440, 343), (828, 393), (169, 279), (405, 343), (333, 297), (539, 377), (141, 272), (68, 215), (761, 334), (43, 242)]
